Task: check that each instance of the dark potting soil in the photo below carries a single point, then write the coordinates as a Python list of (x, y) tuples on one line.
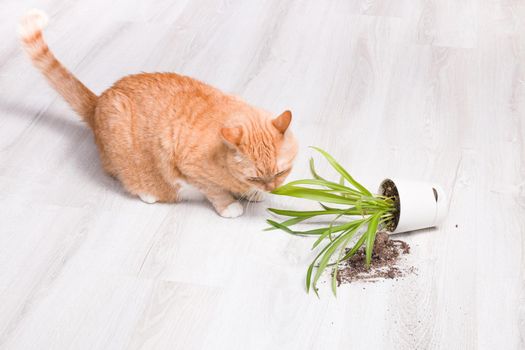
[(384, 263), (389, 189)]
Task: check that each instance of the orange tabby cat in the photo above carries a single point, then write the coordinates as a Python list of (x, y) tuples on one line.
[(159, 132)]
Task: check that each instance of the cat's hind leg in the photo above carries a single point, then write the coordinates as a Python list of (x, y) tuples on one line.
[(151, 187)]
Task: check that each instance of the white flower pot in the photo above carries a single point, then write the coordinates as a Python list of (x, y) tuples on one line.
[(420, 204)]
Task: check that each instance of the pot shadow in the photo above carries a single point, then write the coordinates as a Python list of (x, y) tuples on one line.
[(415, 233)]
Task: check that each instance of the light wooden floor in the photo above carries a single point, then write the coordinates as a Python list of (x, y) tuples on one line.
[(410, 88)]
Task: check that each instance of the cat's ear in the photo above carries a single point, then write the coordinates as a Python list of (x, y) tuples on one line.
[(232, 135), (282, 122)]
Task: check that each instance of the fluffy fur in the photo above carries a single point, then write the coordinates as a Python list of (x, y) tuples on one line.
[(157, 131)]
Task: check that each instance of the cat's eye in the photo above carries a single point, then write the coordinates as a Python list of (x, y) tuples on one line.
[(255, 179), (280, 173), (267, 179)]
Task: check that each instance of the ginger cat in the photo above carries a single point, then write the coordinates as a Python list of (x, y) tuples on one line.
[(159, 132)]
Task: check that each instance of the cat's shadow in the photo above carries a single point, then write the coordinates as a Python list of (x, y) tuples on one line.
[(67, 125)]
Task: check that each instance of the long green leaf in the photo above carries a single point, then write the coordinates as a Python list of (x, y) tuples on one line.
[(298, 233), (343, 172), (313, 232), (328, 232), (326, 207), (309, 277), (335, 271), (326, 257), (310, 270), (347, 226), (325, 183), (312, 170), (314, 194), (289, 222), (350, 235), (280, 226), (356, 246), (298, 213), (371, 236)]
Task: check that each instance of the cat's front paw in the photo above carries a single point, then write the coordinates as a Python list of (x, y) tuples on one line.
[(233, 210)]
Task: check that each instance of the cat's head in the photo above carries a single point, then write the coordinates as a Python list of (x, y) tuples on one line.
[(261, 152)]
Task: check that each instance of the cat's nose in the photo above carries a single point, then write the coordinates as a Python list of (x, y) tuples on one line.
[(269, 186)]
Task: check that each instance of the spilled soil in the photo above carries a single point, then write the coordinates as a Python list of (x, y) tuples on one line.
[(385, 263)]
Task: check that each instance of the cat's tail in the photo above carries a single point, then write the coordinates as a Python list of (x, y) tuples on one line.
[(79, 97)]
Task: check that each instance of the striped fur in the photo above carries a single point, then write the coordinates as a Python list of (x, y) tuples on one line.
[(79, 97)]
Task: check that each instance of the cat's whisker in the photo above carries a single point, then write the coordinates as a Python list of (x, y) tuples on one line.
[(251, 196), (242, 196)]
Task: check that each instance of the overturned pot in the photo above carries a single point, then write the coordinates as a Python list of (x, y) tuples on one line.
[(419, 205)]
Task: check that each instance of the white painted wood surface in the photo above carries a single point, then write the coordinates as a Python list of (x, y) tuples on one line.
[(429, 90)]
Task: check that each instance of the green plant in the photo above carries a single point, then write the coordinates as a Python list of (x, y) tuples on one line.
[(358, 215)]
